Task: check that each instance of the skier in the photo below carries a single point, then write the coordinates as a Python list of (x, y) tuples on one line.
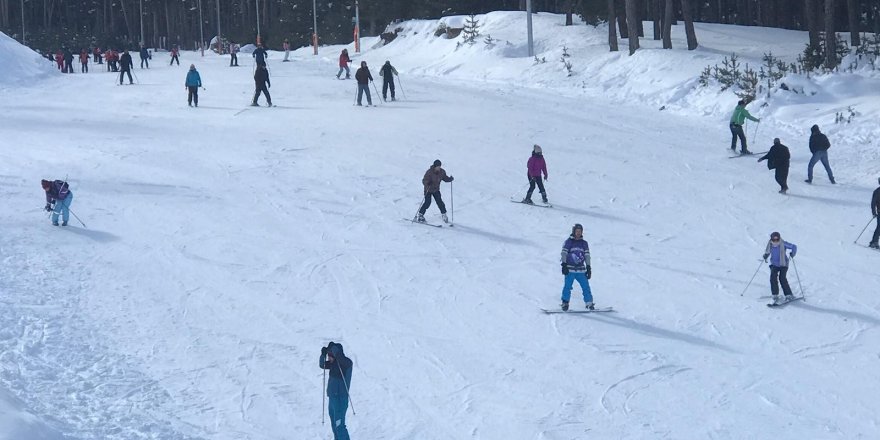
[(740, 114), (776, 248), (260, 55), (261, 81), (819, 146), (58, 193), (875, 211), (145, 56), (97, 54), (343, 64), (127, 65), (431, 181), (286, 46), (535, 167), (387, 73), (68, 61), (84, 61), (339, 366), (108, 56), (192, 84), (778, 158), (233, 52), (576, 267), (175, 52), (363, 78), (59, 60)]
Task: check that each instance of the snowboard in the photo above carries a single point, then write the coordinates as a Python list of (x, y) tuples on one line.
[(539, 205), (596, 310), (797, 298), (426, 224)]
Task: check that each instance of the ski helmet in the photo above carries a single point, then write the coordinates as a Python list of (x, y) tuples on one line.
[(576, 227), (437, 163)]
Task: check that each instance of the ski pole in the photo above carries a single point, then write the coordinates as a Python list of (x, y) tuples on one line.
[(77, 217), (356, 93), (755, 133), (344, 382), (452, 204), (400, 83), (753, 278), (863, 230), (374, 88), (323, 394), (799, 279)]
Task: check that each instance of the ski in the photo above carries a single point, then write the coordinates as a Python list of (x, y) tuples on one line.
[(747, 155), (597, 310), (539, 205), (419, 223), (785, 303)]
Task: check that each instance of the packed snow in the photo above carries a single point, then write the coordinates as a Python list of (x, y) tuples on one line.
[(225, 245)]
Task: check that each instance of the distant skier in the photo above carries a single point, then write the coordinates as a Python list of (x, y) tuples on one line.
[(875, 211), (175, 55), (59, 60), (363, 78), (262, 85), (431, 182), (286, 47), (233, 52), (260, 55), (97, 54), (145, 56), (387, 72), (778, 158), (740, 114), (68, 61), (776, 248), (819, 146), (84, 61), (58, 194), (126, 64), (192, 84), (576, 267), (339, 368), (343, 64), (535, 167)]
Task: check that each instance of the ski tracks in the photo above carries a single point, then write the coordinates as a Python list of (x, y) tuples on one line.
[(618, 396)]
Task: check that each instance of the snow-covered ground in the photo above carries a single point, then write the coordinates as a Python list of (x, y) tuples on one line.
[(226, 244)]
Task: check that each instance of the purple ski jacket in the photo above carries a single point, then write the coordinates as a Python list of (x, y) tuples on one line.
[(536, 166)]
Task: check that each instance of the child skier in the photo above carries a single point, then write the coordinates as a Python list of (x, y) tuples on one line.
[(58, 193), (431, 181), (779, 266), (576, 266), (536, 166), (343, 64), (192, 84)]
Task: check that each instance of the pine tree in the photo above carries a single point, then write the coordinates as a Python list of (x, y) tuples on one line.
[(471, 29)]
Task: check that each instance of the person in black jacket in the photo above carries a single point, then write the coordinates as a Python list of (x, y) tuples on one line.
[(875, 211), (387, 72), (339, 367), (819, 146), (125, 67), (145, 57), (778, 158), (364, 78), (260, 55), (261, 81), (68, 61)]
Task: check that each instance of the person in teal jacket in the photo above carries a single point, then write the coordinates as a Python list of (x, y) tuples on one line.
[(740, 114), (193, 82)]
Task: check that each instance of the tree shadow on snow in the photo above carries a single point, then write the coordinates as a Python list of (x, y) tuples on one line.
[(103, 237), (650, 330), (493, 236), (593, 214), (845, 314)]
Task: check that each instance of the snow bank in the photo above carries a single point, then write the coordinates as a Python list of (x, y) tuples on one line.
[(18, 424), (21, 64)]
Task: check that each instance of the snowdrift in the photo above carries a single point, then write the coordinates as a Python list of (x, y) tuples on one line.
[(18, 424), (21, 65)]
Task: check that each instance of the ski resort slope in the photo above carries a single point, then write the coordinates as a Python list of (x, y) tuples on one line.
[(226, 245)]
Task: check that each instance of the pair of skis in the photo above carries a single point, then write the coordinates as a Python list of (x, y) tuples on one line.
[(539, 205), (774, 305), (427, 224)]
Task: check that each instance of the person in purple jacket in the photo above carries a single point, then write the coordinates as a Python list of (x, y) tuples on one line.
[(58, 193), (536, 166), (775, 250), (576, 266)]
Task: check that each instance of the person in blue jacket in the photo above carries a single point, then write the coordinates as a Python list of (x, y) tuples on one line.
[(775, 250), (333, 360), (58, 194), (576, 266), (193, 82)]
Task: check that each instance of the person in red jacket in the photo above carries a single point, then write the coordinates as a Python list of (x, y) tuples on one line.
[(97, 55), (84, 60), (59, 60), (174, 56), (343, 64)]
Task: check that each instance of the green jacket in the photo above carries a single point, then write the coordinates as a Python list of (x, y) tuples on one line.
[(740, 114)]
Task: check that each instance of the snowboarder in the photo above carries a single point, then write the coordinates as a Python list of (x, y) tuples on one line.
[(819, 146), (192, 84), (339, 367), (58, 194), (363, 78), (262, 85), (260, 55), (536, 166), (778, 158), (875, 211), (343, 64), (145, 56), (431, 182), (126, 65), (576, 267), (387, 72), (776, 248), (286, 46), (175, 52), (740, 114), (84, 61), (233, 52)]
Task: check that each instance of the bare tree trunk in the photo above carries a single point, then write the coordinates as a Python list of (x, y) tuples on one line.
[(812, 21), (830, 36), (852, 8), (622, 26), (569, 12), (687, 15), (4, 13), (658, 22), (632, 20), (667, 25), (612, 30)]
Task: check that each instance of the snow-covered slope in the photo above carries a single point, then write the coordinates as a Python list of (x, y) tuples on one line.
[(226, 244), (21, 65)]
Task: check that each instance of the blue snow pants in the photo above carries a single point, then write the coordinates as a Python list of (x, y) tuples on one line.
[(62, 207), (337, 407), (581, 278)]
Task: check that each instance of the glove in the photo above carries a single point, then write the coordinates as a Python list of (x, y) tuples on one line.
[(546, 178), (48, 207), (564, 269), (323, 351), (589, 272), (765, 257), (791, 255), (451, 178)]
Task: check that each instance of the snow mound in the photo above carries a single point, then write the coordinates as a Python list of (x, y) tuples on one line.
[(17, 424), (21, 64)]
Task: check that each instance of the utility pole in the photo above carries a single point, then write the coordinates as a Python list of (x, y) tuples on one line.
[(357, 27), (23, 39), (219, 44), (315, 25), (142, 22), (529, 24), (201, 31), (257, 7)]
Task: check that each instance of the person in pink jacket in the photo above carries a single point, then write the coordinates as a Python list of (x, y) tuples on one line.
[(536, 167)]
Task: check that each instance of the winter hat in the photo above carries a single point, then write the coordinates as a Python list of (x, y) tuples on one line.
[(775, 234), (741, 102), (192, 67), (576, 227), (776, 141), (814, 128), (436, 163), (45, 184), (363, 64), (537, 149)]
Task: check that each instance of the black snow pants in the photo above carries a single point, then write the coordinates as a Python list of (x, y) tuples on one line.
[(782, 177), (876, 232), (385, 85), (777, 277), (427, 203), (736, 131), (193, 95), (540, 183), (261, 88)]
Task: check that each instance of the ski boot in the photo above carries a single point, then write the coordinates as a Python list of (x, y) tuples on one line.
[(544, 198), (54, 223), (788, 298), (589, 305), (528, 201), (832, 181), (874, 245), (745, 153), (420, 218), (254, 104), (445, 219), (565, 306), (777, 300), (63, 223)]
